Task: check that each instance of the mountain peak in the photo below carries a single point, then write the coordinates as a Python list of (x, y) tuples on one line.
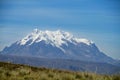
[(55, 38), (36, 30)]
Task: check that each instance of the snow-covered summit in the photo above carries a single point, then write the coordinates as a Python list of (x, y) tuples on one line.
[(55, 38)]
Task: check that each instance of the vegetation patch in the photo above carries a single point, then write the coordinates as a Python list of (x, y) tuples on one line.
[(9, 71)]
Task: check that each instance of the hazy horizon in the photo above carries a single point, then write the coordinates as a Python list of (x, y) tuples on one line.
[(98, 21)]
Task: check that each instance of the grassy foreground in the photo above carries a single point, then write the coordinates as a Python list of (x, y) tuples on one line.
[(10, 71)]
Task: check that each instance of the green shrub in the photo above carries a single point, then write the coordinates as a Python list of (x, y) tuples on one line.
[(28, 78), (50, 75), (78, 76), (116, 77), (8, 74)]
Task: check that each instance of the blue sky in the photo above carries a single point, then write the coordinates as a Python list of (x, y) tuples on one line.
[(97, 20)]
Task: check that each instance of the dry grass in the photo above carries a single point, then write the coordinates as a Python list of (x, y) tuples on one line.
[(10, 71)]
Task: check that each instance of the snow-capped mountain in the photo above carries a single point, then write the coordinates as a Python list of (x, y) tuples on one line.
[(55, 38), (57, 44)]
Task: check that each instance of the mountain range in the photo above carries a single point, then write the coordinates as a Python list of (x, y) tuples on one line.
[(57, 45)]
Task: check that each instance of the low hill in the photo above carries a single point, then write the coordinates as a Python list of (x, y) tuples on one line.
[(9, 71)]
